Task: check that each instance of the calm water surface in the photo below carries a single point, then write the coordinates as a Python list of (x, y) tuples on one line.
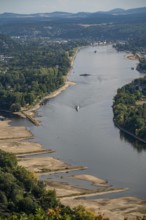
[(88, 137)]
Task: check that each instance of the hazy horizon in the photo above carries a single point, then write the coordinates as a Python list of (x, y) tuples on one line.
[(47, 6)]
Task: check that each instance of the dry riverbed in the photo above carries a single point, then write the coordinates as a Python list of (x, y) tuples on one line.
[(23, 148), (115, 209), (12, 141), (65, 190), (94, 180), (8, 132), (42, 165)]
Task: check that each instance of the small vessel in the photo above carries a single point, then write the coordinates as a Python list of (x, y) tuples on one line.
[(85, 74), (77, 108)]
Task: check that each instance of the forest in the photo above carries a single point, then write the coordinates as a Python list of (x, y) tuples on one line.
[(31, 69), (134, 45), (129, 107), (141, 67), (23, 197)]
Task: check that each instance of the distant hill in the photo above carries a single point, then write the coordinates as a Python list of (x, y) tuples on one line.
[(117, 11), (117, 24)]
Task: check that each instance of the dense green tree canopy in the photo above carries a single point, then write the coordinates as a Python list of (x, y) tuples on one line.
[(130, 107), (27, 74), (23, 197)]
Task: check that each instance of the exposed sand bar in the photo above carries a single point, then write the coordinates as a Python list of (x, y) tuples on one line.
[(94, 180), (22, 148), (115, 209), (47, 165), (34, 153), (11, 140), (9, 132), (64, 190), (66, 170), (98, 192), (133, 56)]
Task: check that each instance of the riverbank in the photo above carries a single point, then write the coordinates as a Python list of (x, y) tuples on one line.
[(30, 111), (132, 56), (8, 132), (13, 140), (47, 165), (114, 209), (129, 133), (126, 97)]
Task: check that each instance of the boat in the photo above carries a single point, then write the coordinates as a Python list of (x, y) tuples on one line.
[(85, 74), (77, 108)]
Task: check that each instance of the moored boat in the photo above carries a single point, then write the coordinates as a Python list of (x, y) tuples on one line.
[(77, 108)]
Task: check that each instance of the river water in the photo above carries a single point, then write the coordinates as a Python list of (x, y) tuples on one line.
[(88, 137)]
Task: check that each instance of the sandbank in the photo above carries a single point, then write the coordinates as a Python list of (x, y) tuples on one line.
[(9, 132), (64, 190), (94, 180), (42, 165), (115, 209), (132, 56), (12, 141), (21, 148)]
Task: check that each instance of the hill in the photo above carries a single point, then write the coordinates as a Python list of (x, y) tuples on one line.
[(117, 24)]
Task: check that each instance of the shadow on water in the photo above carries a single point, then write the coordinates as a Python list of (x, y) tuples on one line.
[(9, 115), (16, 120), (137, 145)]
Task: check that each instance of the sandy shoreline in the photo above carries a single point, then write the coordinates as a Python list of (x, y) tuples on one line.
[(133, 56), (34, 108), (65, 190), (94, 180), (46, 165), (114, 209), (22, 148), (12, 132)]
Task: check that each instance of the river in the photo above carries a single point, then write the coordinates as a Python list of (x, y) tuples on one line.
[(88, 137)]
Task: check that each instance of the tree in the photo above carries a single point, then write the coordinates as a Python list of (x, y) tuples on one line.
[(15, 107)]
